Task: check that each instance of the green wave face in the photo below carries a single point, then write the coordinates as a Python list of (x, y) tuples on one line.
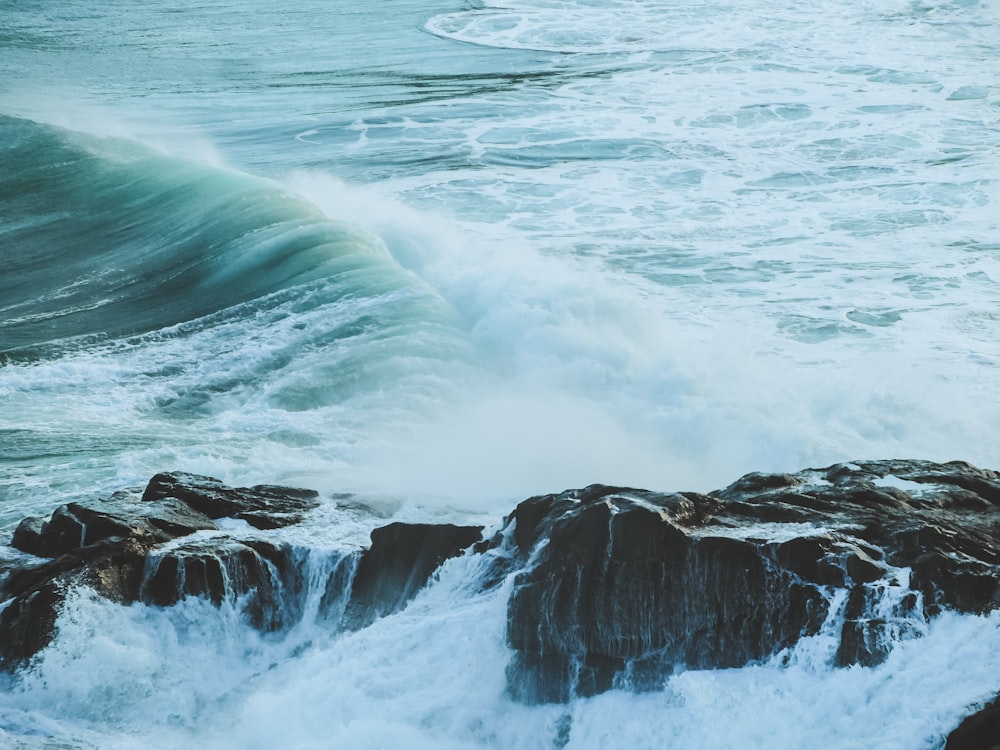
[(157, 311), (106, 236)]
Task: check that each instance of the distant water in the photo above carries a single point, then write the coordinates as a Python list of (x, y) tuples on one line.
[(449, 255)]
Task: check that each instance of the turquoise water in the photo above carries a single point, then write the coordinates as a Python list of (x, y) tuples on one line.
[(450, 255)]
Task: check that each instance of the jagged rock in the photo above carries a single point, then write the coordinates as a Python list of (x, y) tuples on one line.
[(980, 731), (869, 627), (627, 575), (619, 586), (941, 520), (611, 586), (76, 525), (263, 506), (27, 623), (221, 570), (35, 593), (401, 559), (108, 545), (117, 547)]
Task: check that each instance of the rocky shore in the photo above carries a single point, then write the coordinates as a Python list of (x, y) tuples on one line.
[(611, 587)]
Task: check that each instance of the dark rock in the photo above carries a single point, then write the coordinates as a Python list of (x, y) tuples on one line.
[(534, 677), (980, 731), (76, 525), (102, 545), (336, 596), (223, 570), (27, 623), (811, 558), (610, 586), (756, 482), (618, 585), (401, 559), (109, 546), (160, 586), (262, 506), (873, 620), (944, 526), (861, 568), (35, 593), (116, 546), (632, 575), (28, 537), (862, 642)]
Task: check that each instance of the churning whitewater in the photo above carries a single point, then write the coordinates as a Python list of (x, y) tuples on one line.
[(433, 258)]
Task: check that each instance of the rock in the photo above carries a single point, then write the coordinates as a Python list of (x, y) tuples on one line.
[(980, 731), (27, 623), (610, 586), (628, 576), (110, 546), (619, 586), (874, 619), (35, 593), (76, 525), (941, 520), (119, 548), (262, 506), (401, 559), (222, 570)]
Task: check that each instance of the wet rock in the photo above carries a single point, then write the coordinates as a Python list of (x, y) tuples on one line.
[(400, 561), (629, 576), (223, 570), (616, 584), (980, 731), (941, 520), (610, 586), (875, 617), (262, 506), (861, 568), (811, 558), (110, 545), (148, 550), (27, 623), (77, 525), (34, 594)]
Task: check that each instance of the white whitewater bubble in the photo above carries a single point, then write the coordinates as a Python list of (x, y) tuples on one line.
[(912, 700), (600, 27), (891, 480), (583, 375), (550, 352), (113, 664), (769, 533)]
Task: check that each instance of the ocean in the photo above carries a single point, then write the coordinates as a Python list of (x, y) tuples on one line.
[(441, 256)]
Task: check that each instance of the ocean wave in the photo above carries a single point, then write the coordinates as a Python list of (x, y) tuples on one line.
[(116, 238)]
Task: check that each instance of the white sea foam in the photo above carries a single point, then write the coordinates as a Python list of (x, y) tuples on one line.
[(890, 480), (590, 377)]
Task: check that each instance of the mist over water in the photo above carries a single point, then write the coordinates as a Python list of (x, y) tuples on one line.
[(449, 256)]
